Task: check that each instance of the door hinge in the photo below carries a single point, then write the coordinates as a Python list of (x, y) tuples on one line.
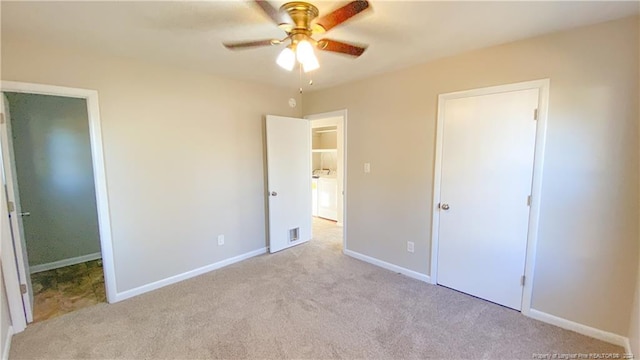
[(529, 200), (522, 280), (11, 207), (23, 288), (535, 114), (1, 118)]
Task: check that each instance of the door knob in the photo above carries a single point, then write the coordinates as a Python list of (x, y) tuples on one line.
[(25, 214), (444, 206), (273, 193)]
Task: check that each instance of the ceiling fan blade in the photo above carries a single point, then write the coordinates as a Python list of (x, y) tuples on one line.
[(278, 17), (342, 14), (341, 47), (250, 44)]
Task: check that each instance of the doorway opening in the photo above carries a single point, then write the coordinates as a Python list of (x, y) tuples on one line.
[(327, 178), (49, 179), (49, 145)]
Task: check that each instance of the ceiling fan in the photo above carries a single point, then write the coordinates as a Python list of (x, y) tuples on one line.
[(297, 20)]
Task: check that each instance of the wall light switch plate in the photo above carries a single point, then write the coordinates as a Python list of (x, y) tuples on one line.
[(367, 168), (410, 246), (220, 239)]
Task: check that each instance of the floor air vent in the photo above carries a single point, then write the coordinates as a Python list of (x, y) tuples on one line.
[(294, 234)]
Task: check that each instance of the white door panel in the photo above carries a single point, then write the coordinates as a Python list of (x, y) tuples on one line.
[(487, 168), (10, 185), (289, 181)]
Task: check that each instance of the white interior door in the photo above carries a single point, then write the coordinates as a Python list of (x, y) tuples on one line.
[(10, 183), (487, 168), (289, 181)]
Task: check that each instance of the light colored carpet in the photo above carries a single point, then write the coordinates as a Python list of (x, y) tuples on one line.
[(309, 301)]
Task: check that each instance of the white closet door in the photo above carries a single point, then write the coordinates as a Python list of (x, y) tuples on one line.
[(487, 168)]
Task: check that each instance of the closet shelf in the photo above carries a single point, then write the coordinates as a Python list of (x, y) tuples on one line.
[(323, 150)]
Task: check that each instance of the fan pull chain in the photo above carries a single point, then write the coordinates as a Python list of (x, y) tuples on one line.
[(300, 83), (300, 77)]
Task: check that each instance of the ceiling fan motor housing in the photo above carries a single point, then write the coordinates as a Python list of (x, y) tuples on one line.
[(302, 14)]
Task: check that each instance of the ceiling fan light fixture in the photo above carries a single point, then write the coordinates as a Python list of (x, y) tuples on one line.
[(311, 64), (304, 52), (286, 59)]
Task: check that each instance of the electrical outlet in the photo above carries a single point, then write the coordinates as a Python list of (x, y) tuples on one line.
[(367, 168), (410, 246), (220, 239)]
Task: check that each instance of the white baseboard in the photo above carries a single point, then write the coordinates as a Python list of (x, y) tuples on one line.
[(383, 264), (581, 329), (65, 262), (187, 275), (627, 348), (6, 345)]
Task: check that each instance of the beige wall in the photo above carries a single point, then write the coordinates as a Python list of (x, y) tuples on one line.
[(588, 237), (183, 153)]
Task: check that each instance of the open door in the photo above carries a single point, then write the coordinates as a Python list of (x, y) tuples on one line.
[(289, 181), (10, 186)]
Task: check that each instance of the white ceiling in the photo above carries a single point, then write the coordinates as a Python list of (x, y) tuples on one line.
[(399, 33)]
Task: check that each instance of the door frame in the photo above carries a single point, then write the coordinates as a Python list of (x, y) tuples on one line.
[(332, 114), (536, 188), (99, 173)]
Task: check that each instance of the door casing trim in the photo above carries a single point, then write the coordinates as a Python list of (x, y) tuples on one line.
[(536, 188)]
